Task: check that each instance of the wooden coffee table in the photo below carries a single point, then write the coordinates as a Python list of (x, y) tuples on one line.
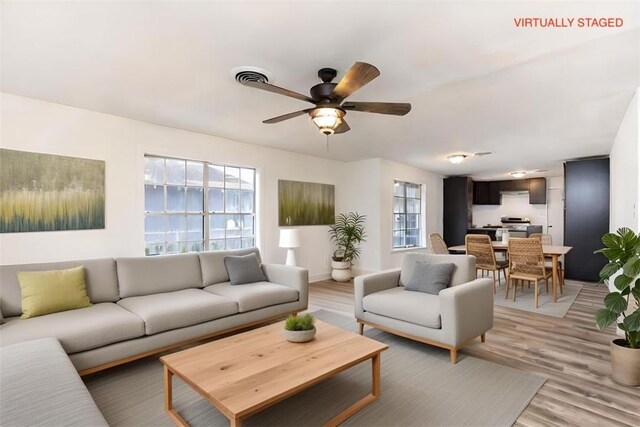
[(246, 373)]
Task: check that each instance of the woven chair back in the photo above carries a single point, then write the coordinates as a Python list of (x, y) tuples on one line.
[(526, 257), (438, 246), (479, 245), (543, 237)]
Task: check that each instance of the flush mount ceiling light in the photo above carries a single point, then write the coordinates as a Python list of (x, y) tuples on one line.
[(483, 153), (518, 174), (456, 158), (327, 119)]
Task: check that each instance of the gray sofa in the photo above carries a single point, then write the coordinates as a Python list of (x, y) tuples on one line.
[(146, 305), (450, 319)]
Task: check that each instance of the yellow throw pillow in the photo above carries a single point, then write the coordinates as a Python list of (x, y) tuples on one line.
[(45, 292)]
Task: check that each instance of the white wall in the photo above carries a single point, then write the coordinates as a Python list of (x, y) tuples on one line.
[(512, 205), (371, 193), (624, 159), (44, 127)]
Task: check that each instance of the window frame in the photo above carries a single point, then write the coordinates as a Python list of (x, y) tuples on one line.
[(206, 214), (420, 220)]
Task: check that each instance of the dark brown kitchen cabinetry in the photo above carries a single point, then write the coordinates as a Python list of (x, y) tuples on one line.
[(538, 191), (458, 197), (586, 216), (488, 192)]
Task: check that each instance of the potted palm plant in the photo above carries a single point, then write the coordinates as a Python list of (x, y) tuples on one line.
[(622, 305), (347, 233)]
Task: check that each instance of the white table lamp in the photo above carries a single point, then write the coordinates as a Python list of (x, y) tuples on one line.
[(289, 239)]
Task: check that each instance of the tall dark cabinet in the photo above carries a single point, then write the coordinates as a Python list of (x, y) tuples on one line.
[(458, 199), (586, 216)]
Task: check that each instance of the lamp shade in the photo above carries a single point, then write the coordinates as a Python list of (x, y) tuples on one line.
[(289, 238)]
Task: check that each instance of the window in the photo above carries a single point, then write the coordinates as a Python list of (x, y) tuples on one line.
[(407, 214), (196, 206)]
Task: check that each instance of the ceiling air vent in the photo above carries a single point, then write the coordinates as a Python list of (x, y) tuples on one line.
[(250, 74)]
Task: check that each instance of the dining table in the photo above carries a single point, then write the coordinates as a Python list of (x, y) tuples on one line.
[(555, 252)]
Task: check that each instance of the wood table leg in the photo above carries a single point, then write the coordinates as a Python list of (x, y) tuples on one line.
[(168, 399), (554, 277), (367, 400), (235, 422)]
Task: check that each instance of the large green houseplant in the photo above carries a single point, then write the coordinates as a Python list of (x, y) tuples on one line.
[(347, 233), (622, 305)]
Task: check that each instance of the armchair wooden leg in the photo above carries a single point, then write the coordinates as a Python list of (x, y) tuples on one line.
[(454, 355), (361, 328), (482, 338)]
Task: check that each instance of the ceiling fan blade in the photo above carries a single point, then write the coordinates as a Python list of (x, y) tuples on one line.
[(344, 127), (357, 76), (393, 108), (286, 116), (279, 90)]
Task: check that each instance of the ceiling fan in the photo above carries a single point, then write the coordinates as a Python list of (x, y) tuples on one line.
[(329, 111)]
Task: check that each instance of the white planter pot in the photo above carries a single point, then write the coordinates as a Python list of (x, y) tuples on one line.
[(341, 271), (299, 336)]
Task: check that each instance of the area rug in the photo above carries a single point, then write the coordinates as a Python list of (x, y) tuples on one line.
[(525, 300), (420, 387)]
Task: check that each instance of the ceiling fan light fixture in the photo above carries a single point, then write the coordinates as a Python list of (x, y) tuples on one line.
[(327, 119), (456, 158), (518, 174)]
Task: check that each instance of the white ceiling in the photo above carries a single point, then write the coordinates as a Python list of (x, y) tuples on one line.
[(476, 82)]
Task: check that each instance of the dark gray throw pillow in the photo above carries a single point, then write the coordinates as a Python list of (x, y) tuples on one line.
[(430, 278), (244, 269)]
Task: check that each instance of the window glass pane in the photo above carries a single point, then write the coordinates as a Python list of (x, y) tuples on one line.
[(413, 205), (216, 200), (247, 178), (234, 244), (234, 226), (216, 227), (157, 249), (398, 205), (232, 177), (398, 239), (216, 176), (175, 199), (412, 238), (248, 242), (398, 222), (153, 229), (216, 245), (195, 199), (195, 173), (153, 198), (172, 248), (247, 225), (413, 221), (195, 227), (154, 170), (191, 247), (176, 228), (413, 190), (246, 201), (398, 189), (232, 200), (175, 171)]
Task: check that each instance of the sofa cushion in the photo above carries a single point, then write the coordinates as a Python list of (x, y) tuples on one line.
[(464, 272), (244, 269), (40, 387), (255, 295), (430, 278), (77, 330), (213, 268), (398, 303), (173, 310), (156, 274), (100, 277), (46, 292)]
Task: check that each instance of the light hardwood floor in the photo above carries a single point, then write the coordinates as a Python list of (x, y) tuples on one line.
[(571, 353)]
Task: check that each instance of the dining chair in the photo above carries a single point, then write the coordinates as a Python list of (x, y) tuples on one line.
[(526, 263), (438, 246), (546, 239), (479, 245)]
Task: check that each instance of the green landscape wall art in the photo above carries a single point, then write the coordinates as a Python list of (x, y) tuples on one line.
[(305, 203), (43, 192)]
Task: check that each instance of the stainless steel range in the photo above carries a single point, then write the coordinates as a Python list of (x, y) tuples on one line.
[(519, 226)]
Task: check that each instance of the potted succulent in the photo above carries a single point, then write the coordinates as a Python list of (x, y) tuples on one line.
[(299, 328), (347, 233), (622, 249)]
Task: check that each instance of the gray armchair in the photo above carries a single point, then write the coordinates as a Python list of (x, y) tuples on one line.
[(449, 320)]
